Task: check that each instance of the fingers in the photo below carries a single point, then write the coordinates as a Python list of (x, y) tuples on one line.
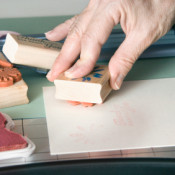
[(93, 38), (61, 31), (72, 44), (124, 58), (67, 56)]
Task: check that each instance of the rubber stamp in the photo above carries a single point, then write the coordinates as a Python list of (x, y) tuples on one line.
[(30, 51), (93, 88), (13, 89)]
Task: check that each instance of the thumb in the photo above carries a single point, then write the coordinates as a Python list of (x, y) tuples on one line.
[(124, 58)]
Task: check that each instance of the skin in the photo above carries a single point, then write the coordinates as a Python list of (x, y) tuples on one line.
[(143, 22)]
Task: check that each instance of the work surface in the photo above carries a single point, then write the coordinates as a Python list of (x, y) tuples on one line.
[(36, 130), (142, 70)]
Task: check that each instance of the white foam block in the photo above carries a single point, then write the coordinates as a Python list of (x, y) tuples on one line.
[(140, 115)]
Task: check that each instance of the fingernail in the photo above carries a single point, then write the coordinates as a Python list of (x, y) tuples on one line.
[(119, 81), (117, 88), (49, 73), (69, 71), (47, 32)]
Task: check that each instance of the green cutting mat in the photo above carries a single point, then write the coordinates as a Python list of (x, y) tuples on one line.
[(142, 70), (33, 25)]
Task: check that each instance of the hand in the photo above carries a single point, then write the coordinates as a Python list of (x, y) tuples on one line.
[(143, 21)]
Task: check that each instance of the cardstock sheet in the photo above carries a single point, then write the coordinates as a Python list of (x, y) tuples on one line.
[(139, 115)]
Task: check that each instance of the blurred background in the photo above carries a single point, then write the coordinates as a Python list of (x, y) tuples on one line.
[(37, 16), (40, 8)]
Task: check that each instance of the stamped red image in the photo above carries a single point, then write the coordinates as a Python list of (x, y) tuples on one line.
[(123, 115), (92, 134)]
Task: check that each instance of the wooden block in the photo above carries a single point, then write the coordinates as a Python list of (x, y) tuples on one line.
[(30, 51), (13, 95), (93, 88)]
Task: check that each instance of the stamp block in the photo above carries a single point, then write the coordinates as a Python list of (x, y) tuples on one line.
[(93, 88), (30, 51), (15, 94)]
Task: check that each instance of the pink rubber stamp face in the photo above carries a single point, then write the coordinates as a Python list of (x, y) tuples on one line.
[(8, 76), (87, 104), (8, 139), (75, 103)]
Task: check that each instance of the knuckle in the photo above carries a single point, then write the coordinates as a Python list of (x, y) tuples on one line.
[(87, 37), (112, 14), (70, 21), (75, 32), (127, 61), (86, 64), (62, 59)]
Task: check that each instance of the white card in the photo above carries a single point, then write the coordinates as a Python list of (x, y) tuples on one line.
[(140, 115)]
